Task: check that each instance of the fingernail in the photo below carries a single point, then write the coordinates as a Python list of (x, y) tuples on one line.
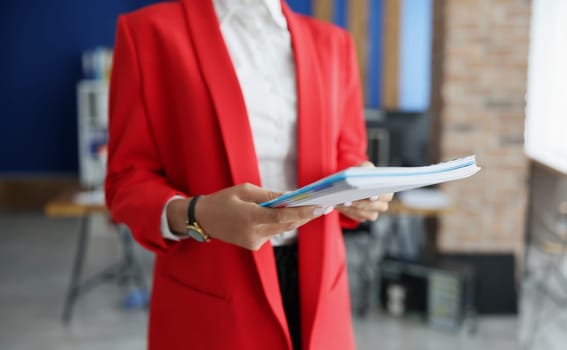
[(374, 198), (347, 204), (318, 211), (328, 210)]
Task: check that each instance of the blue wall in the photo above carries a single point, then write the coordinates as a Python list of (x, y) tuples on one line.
[(375, 33), (301, 6), (415, 54), (42, 42)]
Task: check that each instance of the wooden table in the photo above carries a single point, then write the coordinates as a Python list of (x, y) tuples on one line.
[(397, 207), (128, 268), (66, 205)]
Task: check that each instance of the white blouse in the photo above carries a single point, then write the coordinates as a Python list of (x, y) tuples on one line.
[(259, 43)]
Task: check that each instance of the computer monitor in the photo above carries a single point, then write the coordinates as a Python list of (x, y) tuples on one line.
[(397, 138)]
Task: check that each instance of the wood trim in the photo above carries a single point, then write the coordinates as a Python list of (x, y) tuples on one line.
[(19, 194), (437, 76), (358, 27), (391, 53), (66, 205), (323, 10)]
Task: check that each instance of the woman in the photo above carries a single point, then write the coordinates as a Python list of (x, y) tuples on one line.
[(215, 106)]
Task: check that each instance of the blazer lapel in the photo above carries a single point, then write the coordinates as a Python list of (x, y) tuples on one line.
[(222, 81), (312, 158)]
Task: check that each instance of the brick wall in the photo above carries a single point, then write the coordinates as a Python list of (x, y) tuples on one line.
[(478, 86)]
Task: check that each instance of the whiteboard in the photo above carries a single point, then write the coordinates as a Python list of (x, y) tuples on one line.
[(546, 101)]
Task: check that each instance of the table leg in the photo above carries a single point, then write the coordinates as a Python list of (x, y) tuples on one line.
[(131, 263), (74, 285)]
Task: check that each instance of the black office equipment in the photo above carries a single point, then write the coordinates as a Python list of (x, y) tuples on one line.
[(495, 282), (397, 138), (440, 293)]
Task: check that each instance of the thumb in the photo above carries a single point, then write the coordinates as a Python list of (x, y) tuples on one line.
[(366, 164), (256, 194)]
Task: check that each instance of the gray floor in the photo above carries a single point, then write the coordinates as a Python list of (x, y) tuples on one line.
[(35, 262)]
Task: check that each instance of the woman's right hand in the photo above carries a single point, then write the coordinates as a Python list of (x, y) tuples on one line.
[(233, 215)]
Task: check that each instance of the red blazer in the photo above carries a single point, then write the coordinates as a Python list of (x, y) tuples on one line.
[(178, 125)]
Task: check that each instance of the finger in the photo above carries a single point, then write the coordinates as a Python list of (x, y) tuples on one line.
[(252, 193), (361, 218), (377, 206), (323, 210), (270, 230), (286, 215), (384, 197), (369, 205), (271, 195), (363, 215), (360, 215)]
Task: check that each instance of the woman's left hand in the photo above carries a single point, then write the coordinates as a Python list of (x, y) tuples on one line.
[(366, 209)]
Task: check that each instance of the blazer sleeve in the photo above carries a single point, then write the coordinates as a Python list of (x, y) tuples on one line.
[(135, 187), (352, 141)]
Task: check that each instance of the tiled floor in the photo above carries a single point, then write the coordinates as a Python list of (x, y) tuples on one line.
[(35, 262)]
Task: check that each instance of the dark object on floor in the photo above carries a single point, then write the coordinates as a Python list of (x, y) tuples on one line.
[(440, 293), (137, 298), (495, 287)]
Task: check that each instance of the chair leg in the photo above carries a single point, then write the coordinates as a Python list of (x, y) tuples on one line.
[(74, 285), (131, 265)]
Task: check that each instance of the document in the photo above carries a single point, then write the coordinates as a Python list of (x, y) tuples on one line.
[(361, 182)]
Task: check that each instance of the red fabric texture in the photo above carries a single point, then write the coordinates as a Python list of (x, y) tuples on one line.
[(178, 125)]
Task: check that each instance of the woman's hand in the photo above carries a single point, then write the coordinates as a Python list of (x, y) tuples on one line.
[(234, 216), (366, 209)]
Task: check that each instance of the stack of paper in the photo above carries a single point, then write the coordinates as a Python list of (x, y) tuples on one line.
[(361, 182)]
